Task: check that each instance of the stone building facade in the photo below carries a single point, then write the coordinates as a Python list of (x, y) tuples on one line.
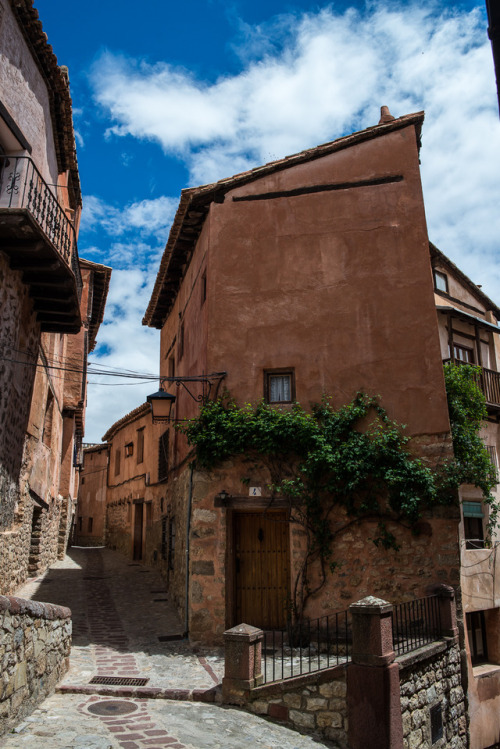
[(311, 271), (51, 301), (139, 523), (90, 517), (469, 334)]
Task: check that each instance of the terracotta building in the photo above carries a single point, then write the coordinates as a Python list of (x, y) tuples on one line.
[(51, 302), (90, 518), (138, 523), (306, 276)]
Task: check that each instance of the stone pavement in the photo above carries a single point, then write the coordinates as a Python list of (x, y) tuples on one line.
[(67, 722), (123, 623)]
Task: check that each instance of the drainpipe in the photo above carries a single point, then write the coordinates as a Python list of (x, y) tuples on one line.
[(188, 529)]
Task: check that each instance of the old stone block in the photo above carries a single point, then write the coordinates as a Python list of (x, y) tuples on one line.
[(418, 718), (333, 689), (41, 664), (316, 703), (20, 679), (303, 720), (327, 719), (260, 707), (202, 567), (292, 700), (406, 723), (415, 739)]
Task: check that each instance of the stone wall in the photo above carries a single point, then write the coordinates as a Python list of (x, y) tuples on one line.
[(315, 703), (19, 338), (428, 678), (35, 642)]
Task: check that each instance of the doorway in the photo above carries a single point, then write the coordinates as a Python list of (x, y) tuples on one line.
[(138, 523), (261, 568)]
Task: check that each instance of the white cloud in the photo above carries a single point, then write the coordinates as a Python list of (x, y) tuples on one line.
[(306, 80), (310, 79), (123, 344), (146, 217)]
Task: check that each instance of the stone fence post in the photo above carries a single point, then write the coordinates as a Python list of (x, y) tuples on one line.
[(243, 662), (373, 691), (447, 609)]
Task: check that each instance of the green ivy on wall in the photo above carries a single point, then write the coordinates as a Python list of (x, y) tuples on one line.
[(354, 458)]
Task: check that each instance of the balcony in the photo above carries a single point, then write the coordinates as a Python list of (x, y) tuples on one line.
[(489, 382), (40, 241)]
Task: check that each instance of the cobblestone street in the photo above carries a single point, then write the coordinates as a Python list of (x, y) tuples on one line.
[(124, 626)]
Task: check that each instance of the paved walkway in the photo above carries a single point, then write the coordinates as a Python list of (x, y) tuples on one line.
[(125, 626)]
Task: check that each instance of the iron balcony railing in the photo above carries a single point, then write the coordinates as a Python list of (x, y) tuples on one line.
[(317, 644), (23, 187), (488, 381), (307, 646), (415, 623)]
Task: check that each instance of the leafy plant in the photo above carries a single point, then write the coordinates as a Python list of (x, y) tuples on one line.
[(354, 459)]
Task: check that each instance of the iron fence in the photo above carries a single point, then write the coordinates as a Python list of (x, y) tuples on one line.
[(22, 186), (307, 646), (415, 623)]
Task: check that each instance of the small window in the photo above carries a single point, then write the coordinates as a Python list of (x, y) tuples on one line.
[(91, 523), (80, 523), (476, 631), (129, 449), (279, 386), (117, 462), (163, 456), (473, 525), (83, 480), (140, 445), (440, 281)]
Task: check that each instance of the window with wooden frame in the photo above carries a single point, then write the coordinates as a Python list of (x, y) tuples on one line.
[(163, 443), (463, 353), (279, 385), (117, 462), (476, 631), (129, 449), (140, 445), (440, 281), (473, 524)]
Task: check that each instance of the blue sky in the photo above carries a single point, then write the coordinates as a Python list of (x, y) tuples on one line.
[(168, 95)]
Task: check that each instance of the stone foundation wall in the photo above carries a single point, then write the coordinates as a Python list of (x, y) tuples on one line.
[(313, 704), (432, 677), (31, 544), (35, 642)]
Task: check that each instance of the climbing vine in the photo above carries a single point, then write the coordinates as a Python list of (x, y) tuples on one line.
[(353, 458)]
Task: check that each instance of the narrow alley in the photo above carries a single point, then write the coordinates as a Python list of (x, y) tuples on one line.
[(153, 689)]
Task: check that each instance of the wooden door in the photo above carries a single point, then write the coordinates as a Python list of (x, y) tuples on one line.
[(138, 520), (261, 568)]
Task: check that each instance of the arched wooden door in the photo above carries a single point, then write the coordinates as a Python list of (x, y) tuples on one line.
[(261, 543)]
